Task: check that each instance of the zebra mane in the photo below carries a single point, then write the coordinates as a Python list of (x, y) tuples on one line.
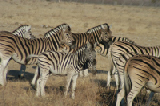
[(56, 29), (22, 28), (24, 31), (98, 27)]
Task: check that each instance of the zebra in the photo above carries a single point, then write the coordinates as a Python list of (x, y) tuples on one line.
[(103, 51), (140, 71), (18, 48), (95, 34), (94, 30), (120, 49), (23, 31), (69, 64)]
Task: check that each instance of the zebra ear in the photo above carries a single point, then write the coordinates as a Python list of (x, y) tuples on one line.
[(104, 26), (66, 28)]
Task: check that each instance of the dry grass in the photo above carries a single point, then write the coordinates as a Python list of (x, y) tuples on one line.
[(141, 24)]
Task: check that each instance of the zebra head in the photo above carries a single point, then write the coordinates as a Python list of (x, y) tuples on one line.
[(106, 33), (101, 32), (24, 31), (66, 35)]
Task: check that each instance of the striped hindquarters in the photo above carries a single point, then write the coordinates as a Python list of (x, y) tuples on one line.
[(141, 71), (119, 49)]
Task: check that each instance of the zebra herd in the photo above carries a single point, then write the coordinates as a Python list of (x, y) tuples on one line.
[(62, 52)]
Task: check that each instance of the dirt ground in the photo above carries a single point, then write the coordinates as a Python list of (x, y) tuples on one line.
[(139, 23)]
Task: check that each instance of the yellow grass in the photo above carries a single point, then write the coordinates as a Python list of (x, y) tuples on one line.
[(141, 24)]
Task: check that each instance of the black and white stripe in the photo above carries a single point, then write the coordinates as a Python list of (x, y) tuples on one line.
[(120, 52), (62, 63), (94, 35), (18, 48), (24, 31), (140, 71)]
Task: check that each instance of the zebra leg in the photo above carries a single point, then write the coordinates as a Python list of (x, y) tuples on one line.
[(3, 70), (116, 75), (36, 75), (38, 87), (150, 97), (121, 75), (85, 72), (74, 78), (120, 96), (109, 78), (41, 83), (45, 78), (68, 81), (22, 70), (133, 92), (5, 74), (110, 72)]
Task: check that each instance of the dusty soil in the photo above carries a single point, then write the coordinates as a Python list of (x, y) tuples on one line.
[(138, 23)]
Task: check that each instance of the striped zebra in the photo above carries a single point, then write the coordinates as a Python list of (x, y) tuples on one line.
[(140, 71), (95, 35), (94, 30), (18, 48), (69, 64), (126, 50), (24, 31), (104, 48)]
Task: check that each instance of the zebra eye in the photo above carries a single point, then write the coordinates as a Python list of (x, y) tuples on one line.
[(67, 34)]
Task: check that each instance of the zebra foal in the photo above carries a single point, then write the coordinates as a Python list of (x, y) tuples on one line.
[(69, 64), (141, 71)]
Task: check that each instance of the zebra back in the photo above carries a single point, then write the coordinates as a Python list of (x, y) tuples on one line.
[(59, 61), (104, 46), (126, 47), (24, 31)]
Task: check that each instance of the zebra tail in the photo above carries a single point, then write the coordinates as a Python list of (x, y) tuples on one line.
[(29, 57)]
